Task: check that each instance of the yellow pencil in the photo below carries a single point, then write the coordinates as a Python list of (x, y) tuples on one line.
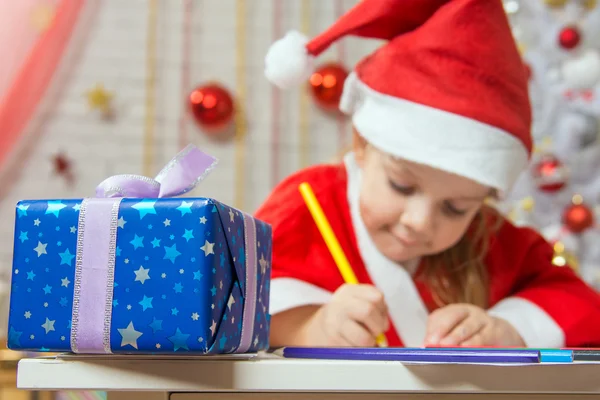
[(331, 241)]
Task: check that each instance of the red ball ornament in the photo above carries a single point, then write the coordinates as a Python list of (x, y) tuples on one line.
[(578, 217), (327, 85), (62, 167), (211, 106), (550, 174), (569, 37)]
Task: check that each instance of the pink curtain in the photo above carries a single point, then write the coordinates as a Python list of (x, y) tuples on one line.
[(29, 57)]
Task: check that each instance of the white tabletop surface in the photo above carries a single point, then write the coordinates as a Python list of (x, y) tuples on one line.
[(271, 373)]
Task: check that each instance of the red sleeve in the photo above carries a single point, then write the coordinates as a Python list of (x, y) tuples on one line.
[(522, 267), (298, 248)]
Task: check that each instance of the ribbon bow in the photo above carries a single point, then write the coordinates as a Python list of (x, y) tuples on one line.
[(182, 174)]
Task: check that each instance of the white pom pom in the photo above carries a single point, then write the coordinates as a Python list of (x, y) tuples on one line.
[(582, 72), (287, 62)]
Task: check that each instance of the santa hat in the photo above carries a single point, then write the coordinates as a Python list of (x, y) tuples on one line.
[(448, 89)]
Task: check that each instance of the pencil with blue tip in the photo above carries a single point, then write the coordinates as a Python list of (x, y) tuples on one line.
[(331, 241)]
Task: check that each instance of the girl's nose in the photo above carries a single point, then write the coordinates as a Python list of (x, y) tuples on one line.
[(418, 216)]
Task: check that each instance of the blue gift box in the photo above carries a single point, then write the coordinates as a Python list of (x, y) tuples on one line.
[(139, 275)]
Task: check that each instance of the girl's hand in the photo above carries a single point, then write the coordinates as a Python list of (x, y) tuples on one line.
[(355, 315), (469, 326)]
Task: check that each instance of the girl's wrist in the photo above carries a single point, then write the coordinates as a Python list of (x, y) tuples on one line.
[(311, 332)]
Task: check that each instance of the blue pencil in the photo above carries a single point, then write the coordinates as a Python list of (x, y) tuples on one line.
[(433, 355), (546, 355), (556, 356)]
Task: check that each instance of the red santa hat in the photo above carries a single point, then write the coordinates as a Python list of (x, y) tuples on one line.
[(448, 89)]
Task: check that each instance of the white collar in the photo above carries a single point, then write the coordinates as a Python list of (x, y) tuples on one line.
[(405, 305), (366, 245)]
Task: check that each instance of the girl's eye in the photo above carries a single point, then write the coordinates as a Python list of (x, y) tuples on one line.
[(448, 208), (452, 211), (405, 190)]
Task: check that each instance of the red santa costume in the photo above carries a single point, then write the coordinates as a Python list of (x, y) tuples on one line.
[(448, 90)]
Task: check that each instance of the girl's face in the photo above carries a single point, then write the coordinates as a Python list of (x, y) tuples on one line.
[(413, 210)]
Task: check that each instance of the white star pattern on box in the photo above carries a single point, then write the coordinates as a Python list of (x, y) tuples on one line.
[(141, 275), (129, 336), (48, 325), (41, 248), (230, 302), (208, 248), (263, 263)]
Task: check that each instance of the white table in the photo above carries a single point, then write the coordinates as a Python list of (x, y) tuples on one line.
[(269, 377)]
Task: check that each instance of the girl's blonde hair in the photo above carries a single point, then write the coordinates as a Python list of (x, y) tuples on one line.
[(459, 274)]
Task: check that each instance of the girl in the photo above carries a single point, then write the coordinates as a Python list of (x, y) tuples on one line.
[(442, 123)]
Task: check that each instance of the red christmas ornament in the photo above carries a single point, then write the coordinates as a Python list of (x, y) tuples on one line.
[(211, 106), (569, 37), (327, 85), (549, 174), (578, 217), (62, 167)]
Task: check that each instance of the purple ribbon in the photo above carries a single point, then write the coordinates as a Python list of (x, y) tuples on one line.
[(179, 176), (250, 293), (94, 266), (96, 242)]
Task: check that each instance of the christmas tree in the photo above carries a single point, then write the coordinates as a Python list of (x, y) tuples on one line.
[(560, 193)]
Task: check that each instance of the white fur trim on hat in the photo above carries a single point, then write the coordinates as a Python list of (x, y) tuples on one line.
[(441, 139), (287, 62)]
